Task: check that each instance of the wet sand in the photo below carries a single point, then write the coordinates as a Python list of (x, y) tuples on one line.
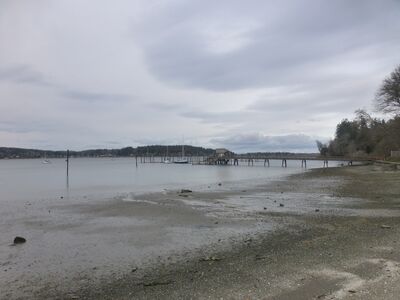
[(325, 234)]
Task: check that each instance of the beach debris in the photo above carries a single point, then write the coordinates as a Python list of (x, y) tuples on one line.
[(352, 291), (134, 270), (183, 191), (385, 227), (155, 283), (211, 258), (281, 204), (249, 240), (260, 257), (19, 240)]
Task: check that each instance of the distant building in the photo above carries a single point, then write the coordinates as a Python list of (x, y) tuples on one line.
[(223, 153), (395, 153), (221, 157)]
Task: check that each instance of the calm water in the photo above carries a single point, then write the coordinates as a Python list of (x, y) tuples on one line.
[(30, 179)]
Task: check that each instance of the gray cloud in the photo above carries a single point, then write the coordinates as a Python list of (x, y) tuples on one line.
[(216, 117), (23, 74), (303, 38), (94, 97), (263, 143), (253, 75), (164, 106)]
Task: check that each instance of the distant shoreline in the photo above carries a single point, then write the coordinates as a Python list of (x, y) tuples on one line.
[(148, 151)]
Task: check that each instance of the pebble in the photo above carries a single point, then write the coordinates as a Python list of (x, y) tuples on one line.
[(19, 240)]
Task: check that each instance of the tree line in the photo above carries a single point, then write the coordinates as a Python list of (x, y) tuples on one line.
[(153, 150), (366, 135)]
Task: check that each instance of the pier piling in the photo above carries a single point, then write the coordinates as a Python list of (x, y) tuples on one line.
[(284, 163), (67, 161), (304, 163)]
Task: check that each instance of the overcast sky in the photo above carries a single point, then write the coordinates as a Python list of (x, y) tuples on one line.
[(252, 75)]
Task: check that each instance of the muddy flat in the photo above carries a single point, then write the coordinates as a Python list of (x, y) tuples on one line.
[(324, 234)]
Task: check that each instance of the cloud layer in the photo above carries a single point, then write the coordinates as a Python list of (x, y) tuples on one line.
[(251, 76)]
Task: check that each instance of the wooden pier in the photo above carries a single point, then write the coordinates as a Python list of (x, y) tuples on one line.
[(225, 157), (249, 160)]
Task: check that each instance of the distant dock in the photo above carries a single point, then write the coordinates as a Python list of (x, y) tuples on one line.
[(250, 160)]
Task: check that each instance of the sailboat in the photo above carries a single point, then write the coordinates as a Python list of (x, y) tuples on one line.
[(45, 160), (167, 160), (182, 160)]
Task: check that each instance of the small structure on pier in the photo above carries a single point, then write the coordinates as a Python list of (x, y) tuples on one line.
[(221, 157)]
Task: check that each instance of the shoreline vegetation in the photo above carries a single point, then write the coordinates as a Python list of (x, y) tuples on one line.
[(153, 150), (368, 136), (149, 151), (348, 252)]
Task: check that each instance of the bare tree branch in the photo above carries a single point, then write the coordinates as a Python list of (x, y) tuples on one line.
[(387, 99)]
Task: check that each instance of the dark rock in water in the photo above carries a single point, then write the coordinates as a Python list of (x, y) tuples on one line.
[(265, 208), (317, 210), (281, 205), (134, 270), (183, 195), (19, 240), (61, 197), (220, 184), (185, 191)]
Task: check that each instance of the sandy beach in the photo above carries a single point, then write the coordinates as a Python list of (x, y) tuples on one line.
[(324, 234)]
